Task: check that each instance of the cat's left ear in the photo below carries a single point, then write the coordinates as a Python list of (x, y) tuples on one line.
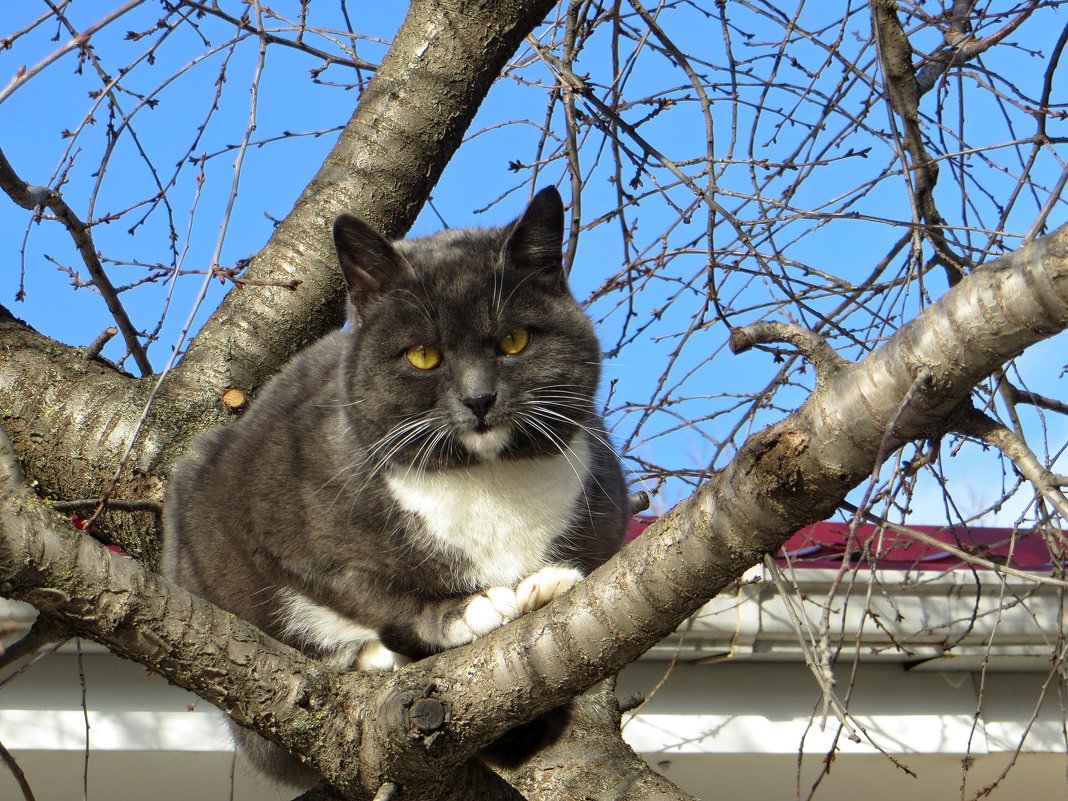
[(371, 265), (536, 241)]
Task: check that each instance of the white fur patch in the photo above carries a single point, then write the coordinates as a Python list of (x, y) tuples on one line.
[(501, 515), (346, 642)]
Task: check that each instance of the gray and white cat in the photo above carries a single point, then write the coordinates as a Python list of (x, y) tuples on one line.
[(421, 478)]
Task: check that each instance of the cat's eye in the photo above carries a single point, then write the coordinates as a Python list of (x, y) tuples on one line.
[(515, 341), (425, 357)]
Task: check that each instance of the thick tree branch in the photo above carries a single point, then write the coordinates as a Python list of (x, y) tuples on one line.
[(787, 476), (591, 761), (361, 730), (903, 96), (71, 420), (410, 120)]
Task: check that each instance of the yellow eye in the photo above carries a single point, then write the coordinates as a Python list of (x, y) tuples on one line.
[(515, 341), (425, 357)]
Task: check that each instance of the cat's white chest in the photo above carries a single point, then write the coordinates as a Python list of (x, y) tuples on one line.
[(502, 516)]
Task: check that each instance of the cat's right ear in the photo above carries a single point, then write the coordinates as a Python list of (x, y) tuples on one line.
[(370, 264)]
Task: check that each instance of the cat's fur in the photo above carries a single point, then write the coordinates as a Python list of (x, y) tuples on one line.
[(369, 512)]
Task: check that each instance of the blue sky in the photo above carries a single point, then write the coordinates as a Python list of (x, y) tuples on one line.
[(507, 129)]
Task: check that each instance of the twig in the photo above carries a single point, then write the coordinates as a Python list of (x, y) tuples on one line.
[(85, 718), (81, 40), (258, 30), (16, 771), (970, 558), (820, 669), (976, 424), (118, 504)]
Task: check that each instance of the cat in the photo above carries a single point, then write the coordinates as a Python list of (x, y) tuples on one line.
[(420, 478)]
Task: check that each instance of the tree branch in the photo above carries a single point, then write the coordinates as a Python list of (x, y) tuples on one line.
[(812, 346), (903, 96), (960, 45), (354, 728), (34, 197), (976, 424), (246, 25), (72, 419), (410, 120)]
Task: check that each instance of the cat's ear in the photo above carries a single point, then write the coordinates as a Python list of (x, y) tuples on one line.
[(371, 265), (536, 240)]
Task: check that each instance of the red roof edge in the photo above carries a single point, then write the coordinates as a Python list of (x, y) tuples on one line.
[(825, 545)]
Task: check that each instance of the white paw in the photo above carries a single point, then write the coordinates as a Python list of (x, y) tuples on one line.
[(485, 612), (375, 656), (537, 590)]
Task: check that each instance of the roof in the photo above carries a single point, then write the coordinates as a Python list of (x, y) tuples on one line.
[(824, 545)]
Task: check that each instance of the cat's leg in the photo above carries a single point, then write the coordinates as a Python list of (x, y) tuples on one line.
[(473, 617), (337, 640)]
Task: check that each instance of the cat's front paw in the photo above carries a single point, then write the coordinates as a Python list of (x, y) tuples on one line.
[(485, 612), (538, 589)]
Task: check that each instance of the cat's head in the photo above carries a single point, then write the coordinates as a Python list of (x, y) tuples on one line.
[(467, 345)]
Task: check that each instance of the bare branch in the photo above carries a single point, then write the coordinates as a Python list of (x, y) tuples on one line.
[(245, 24), (24, 75), (812, 346), (969, 558), (35, 197), (960, 46), (16, 771), (976, 424)]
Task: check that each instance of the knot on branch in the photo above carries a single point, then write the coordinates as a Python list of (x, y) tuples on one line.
[(427, 716), (234, 400)]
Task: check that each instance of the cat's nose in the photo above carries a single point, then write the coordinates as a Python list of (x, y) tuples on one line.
[(480, 404)]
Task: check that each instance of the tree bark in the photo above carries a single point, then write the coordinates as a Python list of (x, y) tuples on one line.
[(409, 122)]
